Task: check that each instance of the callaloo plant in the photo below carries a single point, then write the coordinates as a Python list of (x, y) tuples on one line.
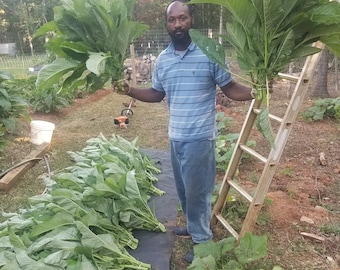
[(225, 255), (269, 34), (13, 107), (91, 41), (322, 108), (44, 100)]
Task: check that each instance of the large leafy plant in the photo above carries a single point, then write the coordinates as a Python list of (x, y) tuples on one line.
[(91, 42), (224, 254), (13, 107), (323, 108), (268, 34), (43, 100)]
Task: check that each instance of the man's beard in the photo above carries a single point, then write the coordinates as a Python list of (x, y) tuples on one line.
[(181, 40)]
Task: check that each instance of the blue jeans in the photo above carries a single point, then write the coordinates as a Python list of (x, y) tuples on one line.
[(194, 168)]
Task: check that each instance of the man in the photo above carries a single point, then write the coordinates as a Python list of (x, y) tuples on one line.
[(188, 79)]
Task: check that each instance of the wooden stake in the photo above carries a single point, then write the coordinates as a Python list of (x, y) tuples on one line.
[(12, 177)]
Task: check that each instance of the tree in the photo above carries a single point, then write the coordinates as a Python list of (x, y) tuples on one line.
[(22, 18), (151, 12), (321, 86)]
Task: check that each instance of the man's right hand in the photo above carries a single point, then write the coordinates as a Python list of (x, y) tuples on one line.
[(121, 87)]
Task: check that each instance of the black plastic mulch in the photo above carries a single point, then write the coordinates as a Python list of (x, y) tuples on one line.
[(155, 248)]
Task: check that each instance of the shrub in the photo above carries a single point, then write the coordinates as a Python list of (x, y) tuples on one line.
[(323, 108)]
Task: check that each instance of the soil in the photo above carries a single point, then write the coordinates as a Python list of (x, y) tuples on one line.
[(304, 195)]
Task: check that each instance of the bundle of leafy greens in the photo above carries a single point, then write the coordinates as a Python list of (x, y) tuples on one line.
[(269, 34), (90, 43), (86, 217)]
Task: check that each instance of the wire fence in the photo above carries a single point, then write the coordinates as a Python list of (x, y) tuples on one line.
[(21, 61), (146, 48), (152, 42)]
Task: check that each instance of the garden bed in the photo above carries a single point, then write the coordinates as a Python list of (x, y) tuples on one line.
[(304, 194)]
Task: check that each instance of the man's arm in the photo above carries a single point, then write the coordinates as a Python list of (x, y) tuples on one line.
[(237, 91), (145, 95), (142, 94)]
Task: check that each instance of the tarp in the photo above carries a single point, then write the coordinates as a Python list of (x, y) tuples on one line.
[(155, 248)]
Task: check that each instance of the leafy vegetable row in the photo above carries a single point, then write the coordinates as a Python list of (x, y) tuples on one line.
[(85, 218)]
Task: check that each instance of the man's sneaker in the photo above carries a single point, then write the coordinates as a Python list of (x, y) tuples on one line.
[(181, 232), (189, 257)]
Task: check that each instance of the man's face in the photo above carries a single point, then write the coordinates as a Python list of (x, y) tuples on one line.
[(178, 22)]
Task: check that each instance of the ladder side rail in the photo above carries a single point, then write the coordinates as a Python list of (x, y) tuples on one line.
[(280, 142), (235, 160)]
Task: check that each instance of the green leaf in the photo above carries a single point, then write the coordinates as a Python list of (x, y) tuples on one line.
[(16, 241), (205, 263), (87, 264), (333, 44), (209, 46), (58, 220), (52, 73), (60, 257), (16, 222), (46, 28), (215, 249), (5, 243), (69, 181), (7, 260), (264, 126), (89, 239), (25, 262), (96, 63), (251, 248), (5, 76), (233, 265), (54, 238)]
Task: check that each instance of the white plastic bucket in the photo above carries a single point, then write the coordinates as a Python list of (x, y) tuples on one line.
[(41, 131)]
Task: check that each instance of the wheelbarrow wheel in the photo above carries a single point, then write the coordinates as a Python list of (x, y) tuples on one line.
[(126, 112)]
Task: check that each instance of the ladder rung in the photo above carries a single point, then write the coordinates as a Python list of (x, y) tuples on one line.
[(253, 153), (289, 77), (240, 190), (271, 116), (227, 225)]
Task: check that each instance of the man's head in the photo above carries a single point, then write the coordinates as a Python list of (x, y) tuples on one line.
[(179, 19)]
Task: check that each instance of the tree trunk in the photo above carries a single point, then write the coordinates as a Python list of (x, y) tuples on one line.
[(336, 74), (320, 89)]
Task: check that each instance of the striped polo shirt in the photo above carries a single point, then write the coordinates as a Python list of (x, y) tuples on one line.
[(189, 81)]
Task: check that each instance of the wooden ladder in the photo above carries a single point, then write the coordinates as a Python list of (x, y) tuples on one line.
[(270, 163)]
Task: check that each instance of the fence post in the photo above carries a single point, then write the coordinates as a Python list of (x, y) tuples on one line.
[(133, 64)]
